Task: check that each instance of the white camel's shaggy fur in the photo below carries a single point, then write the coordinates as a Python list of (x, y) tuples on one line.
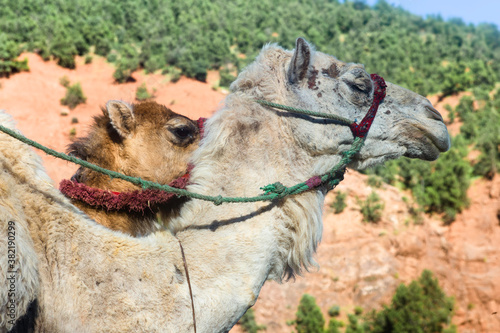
[(93, 279), (18, 260)]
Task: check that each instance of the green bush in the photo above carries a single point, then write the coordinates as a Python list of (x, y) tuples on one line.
[(354, 325), (74, 96), (173, 73), (195, 68), (309, 318), (334, 311), (72, 133), (123, 74), (417, 308), (440, 186), (386, 172), (420, 307), (88, 59), (371, 208), (154, 63), (339, 203), (248, 323), (415, 211), (142, 93), (358, 310), (226, 78), (334, 326), (374, 181), (64, 81), (112, 57)]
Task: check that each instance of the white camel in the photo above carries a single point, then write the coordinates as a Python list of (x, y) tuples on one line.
[(92, 279)]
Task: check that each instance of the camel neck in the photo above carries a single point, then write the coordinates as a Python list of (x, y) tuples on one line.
[(134, 224), (250, 241)]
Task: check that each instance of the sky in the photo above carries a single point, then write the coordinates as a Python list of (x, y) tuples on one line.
[(470, 11)]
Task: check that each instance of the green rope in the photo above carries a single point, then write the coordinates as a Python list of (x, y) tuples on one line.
[(340, 119), (272, 191)]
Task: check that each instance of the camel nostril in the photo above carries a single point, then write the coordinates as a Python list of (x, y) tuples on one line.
[(433, 113)]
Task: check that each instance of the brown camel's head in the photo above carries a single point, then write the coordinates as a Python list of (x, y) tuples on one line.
[(145, 140)]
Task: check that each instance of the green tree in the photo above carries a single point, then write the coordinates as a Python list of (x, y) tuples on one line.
[(126, 64), (197, 35), (9, 51), (419, 307), (387, 171), (455, 77), (440, 186), (483, 129), (334, 326), (444, 188), (248, 323), (354, 325), (309, 318)]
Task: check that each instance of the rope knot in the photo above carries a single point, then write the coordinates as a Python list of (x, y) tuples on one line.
[(277, 188), (335, 178), (218, 200), (313, 182)]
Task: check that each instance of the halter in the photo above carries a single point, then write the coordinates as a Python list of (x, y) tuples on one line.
[(361, 130), (358, 130), (138, 201), (272, 191)]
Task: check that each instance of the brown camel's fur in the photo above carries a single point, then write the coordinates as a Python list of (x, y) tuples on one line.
[(145, 140)]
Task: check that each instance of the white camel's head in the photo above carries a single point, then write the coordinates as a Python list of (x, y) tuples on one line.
[(406, 123)]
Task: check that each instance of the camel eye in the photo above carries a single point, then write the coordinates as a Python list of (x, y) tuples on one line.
[(182, 132), (358, 81), (360, 84)]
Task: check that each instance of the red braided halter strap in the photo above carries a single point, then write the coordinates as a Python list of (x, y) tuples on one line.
[(361, 130)]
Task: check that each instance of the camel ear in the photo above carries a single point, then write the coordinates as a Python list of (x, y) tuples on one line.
[(300, 61), (122, 117)]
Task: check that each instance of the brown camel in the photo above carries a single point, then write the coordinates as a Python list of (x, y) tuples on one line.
[(145, 140)]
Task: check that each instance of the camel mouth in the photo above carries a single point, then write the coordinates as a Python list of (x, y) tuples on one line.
[(439, 143), (427, 145), (441, 140)]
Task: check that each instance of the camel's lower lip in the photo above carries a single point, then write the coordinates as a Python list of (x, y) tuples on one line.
[(440, 143), (423, 143)]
